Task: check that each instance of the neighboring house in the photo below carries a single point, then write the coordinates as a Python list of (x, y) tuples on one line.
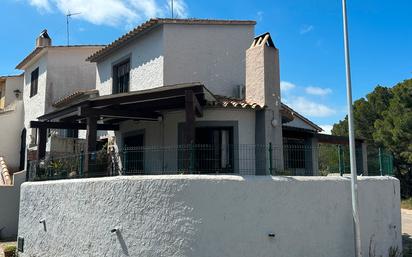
[(207, 84), (11, 120), (50, 74)]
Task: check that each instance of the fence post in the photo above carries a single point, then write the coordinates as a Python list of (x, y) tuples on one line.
[(341, 161), (380, 161), (270, 159), (191, 158), (124, 159), (81, 164)]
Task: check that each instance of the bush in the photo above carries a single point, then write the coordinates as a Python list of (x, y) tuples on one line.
[(10, 251)]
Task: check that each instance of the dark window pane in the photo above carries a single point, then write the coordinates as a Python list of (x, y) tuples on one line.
[(34, 82), (121, 77)]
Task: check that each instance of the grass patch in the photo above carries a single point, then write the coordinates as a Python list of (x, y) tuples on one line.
[(406, 204)]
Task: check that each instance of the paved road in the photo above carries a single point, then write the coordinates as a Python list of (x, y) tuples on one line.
[(407, 232)]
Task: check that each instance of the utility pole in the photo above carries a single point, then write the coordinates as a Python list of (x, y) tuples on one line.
[(68, 15), (353, 170)]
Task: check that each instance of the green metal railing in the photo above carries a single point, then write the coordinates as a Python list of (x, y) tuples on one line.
[(293, 160)]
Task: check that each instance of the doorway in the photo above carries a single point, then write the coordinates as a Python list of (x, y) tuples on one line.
[(133, 154)]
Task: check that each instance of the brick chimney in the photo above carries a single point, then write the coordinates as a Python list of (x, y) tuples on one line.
[(262, 72), (263, 88), (43, 39)]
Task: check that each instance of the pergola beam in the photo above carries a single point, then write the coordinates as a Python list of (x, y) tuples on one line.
[(112, 112), (70, 125)]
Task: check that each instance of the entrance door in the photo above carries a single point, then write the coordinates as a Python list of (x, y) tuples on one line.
[(214, 153), (133, 159)]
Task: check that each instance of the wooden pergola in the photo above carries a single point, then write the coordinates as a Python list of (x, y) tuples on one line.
[(106, 112)]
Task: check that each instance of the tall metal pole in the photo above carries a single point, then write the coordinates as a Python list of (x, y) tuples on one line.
[(172, 7), (353, 170)]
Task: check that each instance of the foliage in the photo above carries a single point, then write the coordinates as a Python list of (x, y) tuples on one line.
[(10, 251), (407, 203), (384, 119)]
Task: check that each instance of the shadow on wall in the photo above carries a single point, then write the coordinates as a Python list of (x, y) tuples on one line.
[(9, 207)]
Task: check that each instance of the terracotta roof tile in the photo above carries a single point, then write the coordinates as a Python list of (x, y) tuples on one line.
[(152, 23)]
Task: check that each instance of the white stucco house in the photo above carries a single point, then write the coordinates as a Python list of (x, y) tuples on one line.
[(11, 120), (50, 74), (175, 82)]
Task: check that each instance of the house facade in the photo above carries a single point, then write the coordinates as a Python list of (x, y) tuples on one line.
[(11, 120), (207, 83), (50, 74)]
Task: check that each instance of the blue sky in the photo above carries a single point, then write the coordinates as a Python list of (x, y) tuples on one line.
[(307, 32)]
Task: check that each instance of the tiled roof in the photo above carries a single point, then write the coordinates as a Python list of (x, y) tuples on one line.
[(38, 50), (288, 113), (294, 113), (75, 95), (234, 102), (152, 23)]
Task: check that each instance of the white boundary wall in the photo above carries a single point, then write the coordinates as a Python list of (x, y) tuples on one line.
[(189, 215), (9, 206)]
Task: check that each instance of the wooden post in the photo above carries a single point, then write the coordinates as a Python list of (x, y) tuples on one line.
[(190, 130), (190, 117), (91, 138), (41, 144)]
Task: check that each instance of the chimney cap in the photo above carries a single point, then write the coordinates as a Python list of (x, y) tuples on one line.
[(264, 38), (44, 34)]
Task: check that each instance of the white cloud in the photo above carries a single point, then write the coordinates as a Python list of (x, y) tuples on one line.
[(309, 108), (259, 16), (318, 91), (286, 86), (306, 29), (41, 5), (112, 12), (327, 129)]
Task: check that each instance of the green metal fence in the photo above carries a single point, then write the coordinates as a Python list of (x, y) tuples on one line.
[(293, 160)]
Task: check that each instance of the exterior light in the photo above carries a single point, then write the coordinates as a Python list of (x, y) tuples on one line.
[(17, 93)]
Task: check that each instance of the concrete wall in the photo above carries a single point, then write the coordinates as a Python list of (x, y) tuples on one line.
[(9, 207), (199, 216), (11, 125), (211, 54), (146, 63)]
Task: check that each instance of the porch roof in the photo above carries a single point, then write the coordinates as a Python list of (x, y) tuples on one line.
[(142, 105)]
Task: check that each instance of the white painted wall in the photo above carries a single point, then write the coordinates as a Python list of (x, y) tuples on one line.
[(67, 72), (200, 216), (62, 70), (172, 54), (164, 133), (34, 106), (13, 83), (146, 63), (9, 207), (11, 125), (211, 54)]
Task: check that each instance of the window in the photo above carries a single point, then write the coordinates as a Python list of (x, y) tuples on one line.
[(121, 77), (34, 81)]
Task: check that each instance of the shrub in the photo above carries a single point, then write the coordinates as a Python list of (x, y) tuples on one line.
[(10, 251)]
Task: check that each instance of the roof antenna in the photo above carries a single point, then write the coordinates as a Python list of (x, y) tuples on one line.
[(68, 15), (171, 3)]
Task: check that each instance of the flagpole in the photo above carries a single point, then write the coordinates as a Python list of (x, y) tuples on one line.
[(353, 170)]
